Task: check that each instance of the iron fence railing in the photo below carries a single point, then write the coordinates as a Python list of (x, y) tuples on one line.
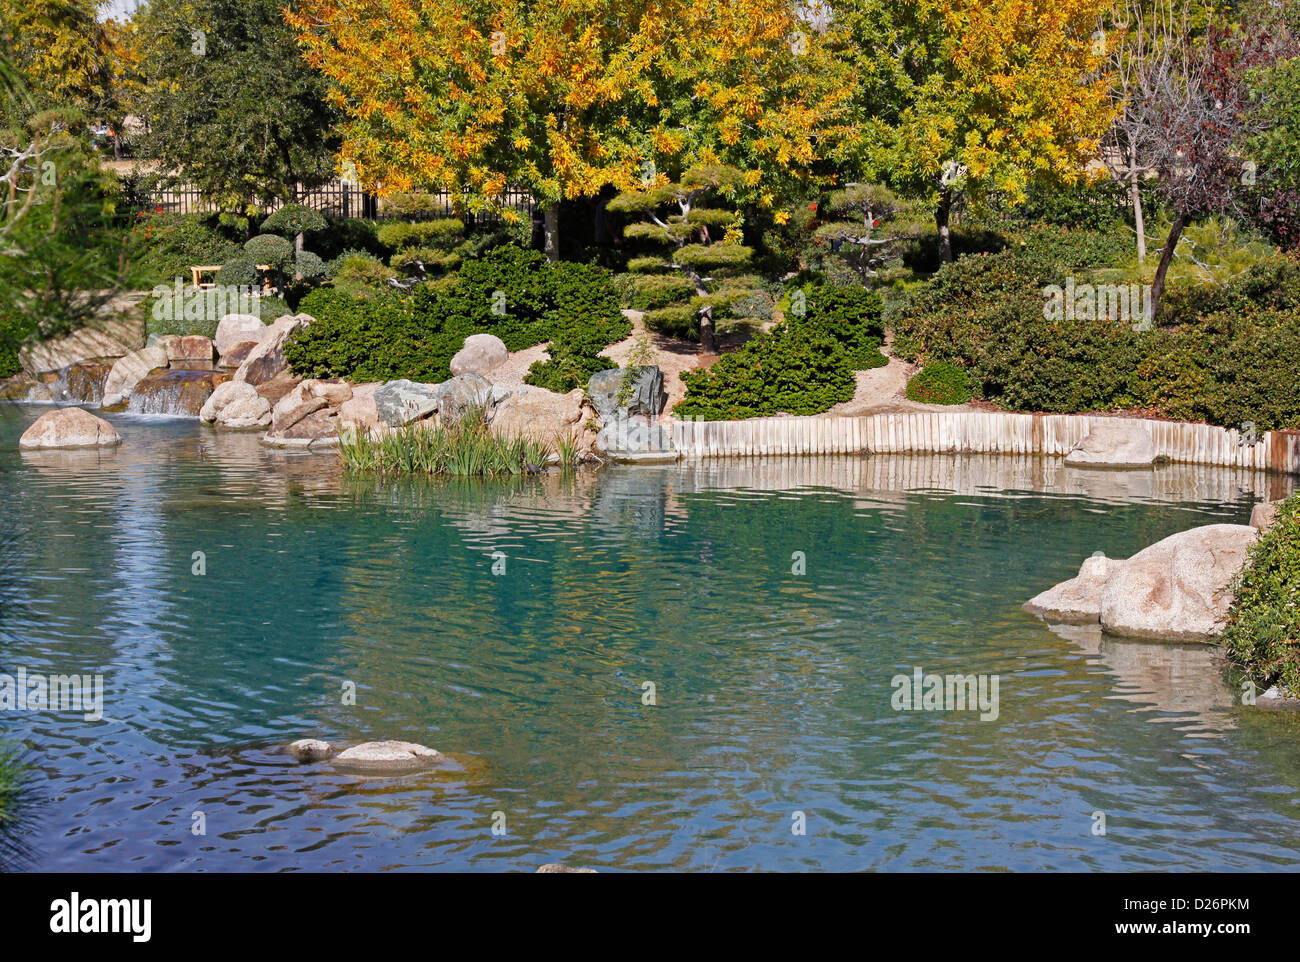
[(338, 198)]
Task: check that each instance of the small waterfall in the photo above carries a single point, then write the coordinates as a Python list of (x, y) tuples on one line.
[(176, 393), (83, 382)]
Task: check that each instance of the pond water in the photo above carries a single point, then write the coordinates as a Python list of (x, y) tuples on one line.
[(770, 603)]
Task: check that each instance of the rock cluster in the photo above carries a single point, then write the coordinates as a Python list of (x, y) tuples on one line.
[(368, 758)]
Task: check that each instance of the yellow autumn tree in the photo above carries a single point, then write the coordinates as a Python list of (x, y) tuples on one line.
[(564, 97), (977, 96)]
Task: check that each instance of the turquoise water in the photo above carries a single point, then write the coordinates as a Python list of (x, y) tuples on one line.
[(773, 688)]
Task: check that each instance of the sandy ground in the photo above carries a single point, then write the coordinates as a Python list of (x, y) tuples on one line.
[(879, 391)]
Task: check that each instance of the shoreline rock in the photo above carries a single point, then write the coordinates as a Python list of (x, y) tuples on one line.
[(1113, 444), (1178, 589)]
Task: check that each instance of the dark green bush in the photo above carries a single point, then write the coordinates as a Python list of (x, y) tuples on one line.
[(1263, 630), (270, 249), (939, 383), (985, 313), (384, 334), (851, 315), (784, 370)]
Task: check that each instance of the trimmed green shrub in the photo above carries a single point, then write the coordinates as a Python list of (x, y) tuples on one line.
[(240, 269), (310, 266), (270, 249), (294, 219), (360, 273), (513, 293), (1263, 630), (784, 370), (652, 291), (939, 383), (681, 321), (426, 233), (851, 315)]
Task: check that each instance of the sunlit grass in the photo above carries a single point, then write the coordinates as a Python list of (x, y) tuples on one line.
[(463, 448)]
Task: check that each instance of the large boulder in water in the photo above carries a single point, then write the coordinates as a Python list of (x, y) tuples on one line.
[(374, 758), (128, 371), (1077, 601), (479, 354), (1114, 444), (267, 359), (69, 428), (236, 405), (1179, 589)]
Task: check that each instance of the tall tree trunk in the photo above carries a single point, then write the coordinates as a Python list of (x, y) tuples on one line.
[(707, 343), (1166, 256), (1135, 195), (553, 231), (941, 221)]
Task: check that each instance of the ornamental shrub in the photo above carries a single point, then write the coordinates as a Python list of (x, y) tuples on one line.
[(939, 383), (1263, 629), (796, 371)]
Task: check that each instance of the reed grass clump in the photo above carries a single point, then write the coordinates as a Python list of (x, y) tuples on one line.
[(461, 448)]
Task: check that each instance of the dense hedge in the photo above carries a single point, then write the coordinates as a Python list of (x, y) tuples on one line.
[(851, 315), (803, 366), (784, 370), (510, 292), (1222, 354), (940, 383), (1263, 630)]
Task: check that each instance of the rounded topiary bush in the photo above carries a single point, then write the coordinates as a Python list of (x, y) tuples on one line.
[(940, 383), (1263, 630), (270, 249), (295, 219)]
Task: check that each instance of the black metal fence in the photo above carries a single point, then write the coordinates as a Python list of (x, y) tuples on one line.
[(338, 198)]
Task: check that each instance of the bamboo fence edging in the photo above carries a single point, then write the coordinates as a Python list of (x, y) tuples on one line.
[(975, 432)]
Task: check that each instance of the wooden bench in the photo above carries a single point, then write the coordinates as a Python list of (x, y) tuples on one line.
[(197, 272)]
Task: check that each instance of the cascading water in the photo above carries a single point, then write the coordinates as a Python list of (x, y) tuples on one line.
[(176, 393), (83, 382)]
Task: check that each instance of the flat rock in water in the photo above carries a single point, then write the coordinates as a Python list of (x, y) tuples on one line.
[(389, 756), (559, 868), (1114, 444), (69, 428), (311, 750)]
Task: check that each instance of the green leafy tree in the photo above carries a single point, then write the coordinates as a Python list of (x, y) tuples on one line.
[(229, 104)]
